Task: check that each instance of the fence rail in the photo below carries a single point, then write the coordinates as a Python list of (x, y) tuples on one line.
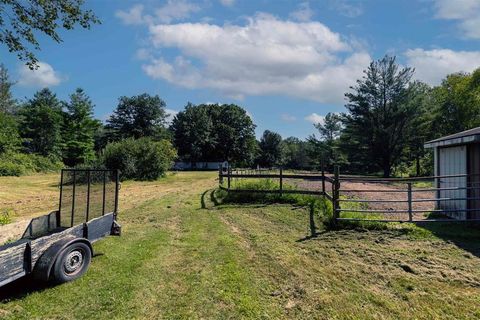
[(451, 196)]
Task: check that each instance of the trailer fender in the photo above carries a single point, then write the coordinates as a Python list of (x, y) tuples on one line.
[(43, 267)]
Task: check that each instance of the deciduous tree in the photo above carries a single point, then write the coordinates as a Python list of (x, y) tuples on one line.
[(212, 132), (22, 21), (138, 116)]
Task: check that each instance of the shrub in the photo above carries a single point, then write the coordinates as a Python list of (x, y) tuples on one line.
[(141, 159), (16, 164), (11, 169)]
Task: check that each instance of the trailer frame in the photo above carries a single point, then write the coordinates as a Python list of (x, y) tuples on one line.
[(46, 239)]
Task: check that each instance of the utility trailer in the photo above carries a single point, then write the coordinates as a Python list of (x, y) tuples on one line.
[(57, 247)]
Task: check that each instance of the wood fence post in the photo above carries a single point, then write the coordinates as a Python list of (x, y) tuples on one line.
[(323, 177), (281, 182), (410, 213), (229, 177), (336, 194), (220, 177)]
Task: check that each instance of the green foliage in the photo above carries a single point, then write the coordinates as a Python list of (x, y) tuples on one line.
[(317, 204), (295, 154), (11, 169), (41, 124), (141, 159), (21, 21), (9, 136), (327, 146), (458, 103), (271, 149), (378, 118), (214, 133), (6, 216), (17, 164), (138, 116), (7, 103), (79, 130)]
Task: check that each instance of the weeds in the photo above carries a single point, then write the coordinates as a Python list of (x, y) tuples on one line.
[(6, 217)]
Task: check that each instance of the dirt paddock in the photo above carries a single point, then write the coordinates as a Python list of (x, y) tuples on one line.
[(377, 191)]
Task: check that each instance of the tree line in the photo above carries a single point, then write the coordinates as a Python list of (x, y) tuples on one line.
[(387, 120)]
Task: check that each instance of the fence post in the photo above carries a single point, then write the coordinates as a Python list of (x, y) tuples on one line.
[(229, 176), (281, 181), (323, 177), (410, 215), (220, 177), (336, 194)]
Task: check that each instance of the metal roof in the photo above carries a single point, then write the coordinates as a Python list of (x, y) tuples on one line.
[(464, 137)]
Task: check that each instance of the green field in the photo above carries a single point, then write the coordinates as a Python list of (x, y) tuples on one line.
[(182, 256)]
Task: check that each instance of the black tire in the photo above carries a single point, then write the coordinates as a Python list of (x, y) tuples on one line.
[(72, 263)]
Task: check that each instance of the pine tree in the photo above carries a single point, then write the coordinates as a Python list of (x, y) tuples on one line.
[(79, 129), (9, 136), (7, 103), (41, 124), (379, 117)]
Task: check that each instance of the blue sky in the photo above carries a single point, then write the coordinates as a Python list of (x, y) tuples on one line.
[(287, 63)]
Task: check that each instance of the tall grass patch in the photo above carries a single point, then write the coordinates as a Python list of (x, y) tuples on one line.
[(259, 194)]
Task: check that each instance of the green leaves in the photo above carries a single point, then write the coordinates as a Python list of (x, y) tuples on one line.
[(214, 133), (20, 20), (141, 159), (138, 116)]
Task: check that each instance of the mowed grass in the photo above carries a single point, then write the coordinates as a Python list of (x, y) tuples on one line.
[(181, 256)]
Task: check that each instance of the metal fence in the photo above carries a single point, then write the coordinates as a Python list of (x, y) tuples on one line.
[(293, 182), (361, 198), (87, 194)]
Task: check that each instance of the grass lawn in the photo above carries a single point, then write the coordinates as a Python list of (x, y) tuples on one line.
[(181, 256)]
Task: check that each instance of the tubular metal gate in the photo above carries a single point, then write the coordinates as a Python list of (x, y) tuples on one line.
[(87, 194), (357, 198)]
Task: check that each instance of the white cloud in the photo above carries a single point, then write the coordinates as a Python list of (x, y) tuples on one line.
[(315, 118), (172, 10), (133, 16), (227, 3), (303, 13), (288, 117), (466, 12), (44, 76), (264, 56), (347, 9), (176, 10), (432, 66), (171, 114)]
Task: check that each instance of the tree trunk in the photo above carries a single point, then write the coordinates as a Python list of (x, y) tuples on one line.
[(418, 165), (387, 168)]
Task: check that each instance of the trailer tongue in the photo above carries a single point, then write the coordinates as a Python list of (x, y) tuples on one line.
[(58, 246)]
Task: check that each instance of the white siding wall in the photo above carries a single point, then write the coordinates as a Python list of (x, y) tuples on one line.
[(453, 161)]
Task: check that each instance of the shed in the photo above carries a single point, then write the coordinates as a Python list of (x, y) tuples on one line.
[(458, 154)]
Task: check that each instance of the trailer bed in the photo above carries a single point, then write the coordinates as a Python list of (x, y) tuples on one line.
[(19, 258)]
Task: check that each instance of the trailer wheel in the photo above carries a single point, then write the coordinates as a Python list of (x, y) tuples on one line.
[(72, 262)]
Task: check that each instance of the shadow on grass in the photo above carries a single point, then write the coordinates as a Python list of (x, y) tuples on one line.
[(22, 287), (213, 198), (463, 234)]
